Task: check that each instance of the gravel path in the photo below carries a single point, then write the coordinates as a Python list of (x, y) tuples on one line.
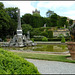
[(53, 67)]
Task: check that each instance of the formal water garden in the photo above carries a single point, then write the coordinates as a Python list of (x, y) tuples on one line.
[(49, 38), (41, 47)]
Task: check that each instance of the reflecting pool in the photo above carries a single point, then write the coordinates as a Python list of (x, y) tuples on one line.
[(42, 47)]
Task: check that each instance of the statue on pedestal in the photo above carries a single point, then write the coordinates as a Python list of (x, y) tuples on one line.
[(20, 40)]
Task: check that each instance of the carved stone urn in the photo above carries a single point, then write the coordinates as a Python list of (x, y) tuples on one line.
[(71, 45)]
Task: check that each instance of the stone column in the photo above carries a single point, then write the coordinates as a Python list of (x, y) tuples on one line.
[(19, 31)]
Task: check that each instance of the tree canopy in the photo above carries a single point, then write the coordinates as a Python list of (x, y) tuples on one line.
[(9, 21), (12, 12), (4, 22), (49, 13)]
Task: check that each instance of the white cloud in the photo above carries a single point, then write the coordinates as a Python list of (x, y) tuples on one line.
[(71, 17), (71, 12), (59, 7), (55, 4), (24, 6)]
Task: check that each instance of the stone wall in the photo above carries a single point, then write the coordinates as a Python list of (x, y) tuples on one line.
[(58, 32)]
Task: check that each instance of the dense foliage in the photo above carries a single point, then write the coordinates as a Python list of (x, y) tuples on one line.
[(8, 22), (13, 64), (70, 22), (42, 32), (25, 28), (63, 40), (44, 39), (34, 21), (12, 12)]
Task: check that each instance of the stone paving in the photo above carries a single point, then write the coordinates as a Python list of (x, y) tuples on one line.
[(53, 67)]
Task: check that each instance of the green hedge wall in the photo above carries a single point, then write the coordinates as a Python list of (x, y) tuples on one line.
[(13, 64), (51, 39)]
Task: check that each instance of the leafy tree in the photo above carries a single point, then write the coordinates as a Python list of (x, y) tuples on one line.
[(37, 22), (12, 12), (49, 13), (54, 19), (25, 28), (67, 24), (4, 22), (47, 21), (50, 34), (35, 31), (63, 21), (70, 22), (26, 19), (44, 33), (34, 21), (1, 5)]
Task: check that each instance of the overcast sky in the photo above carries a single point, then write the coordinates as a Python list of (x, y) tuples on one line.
[(62, 8)]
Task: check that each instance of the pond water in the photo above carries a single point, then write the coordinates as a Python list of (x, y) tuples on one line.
[(45, 47)]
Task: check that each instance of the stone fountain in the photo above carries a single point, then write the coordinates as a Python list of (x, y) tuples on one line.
[(20, 40)]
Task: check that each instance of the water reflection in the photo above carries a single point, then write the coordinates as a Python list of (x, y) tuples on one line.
[(48, 48)]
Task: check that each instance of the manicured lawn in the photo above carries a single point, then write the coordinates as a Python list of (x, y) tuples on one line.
[(62, 58)]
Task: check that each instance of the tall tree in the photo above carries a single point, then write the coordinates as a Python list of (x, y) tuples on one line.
[(26, 27), (34, 21), (49, 13), (26, 18), (4, 22), (54, 19), (12, 12), (70, 22), (1, 5), (63, 21)]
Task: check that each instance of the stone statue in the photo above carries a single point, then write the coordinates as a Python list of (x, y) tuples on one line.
[(28, 35), (45, 25), (20, 40)]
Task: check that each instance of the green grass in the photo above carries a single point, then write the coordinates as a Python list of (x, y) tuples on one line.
[(61, 58)]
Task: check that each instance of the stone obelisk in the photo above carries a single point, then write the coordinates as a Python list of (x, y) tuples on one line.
[(19, 31), (20, 40)]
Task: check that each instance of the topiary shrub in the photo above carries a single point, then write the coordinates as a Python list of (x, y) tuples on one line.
[(13, 64), (44, 39), (63, 40)]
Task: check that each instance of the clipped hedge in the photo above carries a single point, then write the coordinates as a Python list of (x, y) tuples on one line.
[(63, 40), (37, 39), (13, 64), (57, 39), (54, 39), (44, 39), (51, 39)]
